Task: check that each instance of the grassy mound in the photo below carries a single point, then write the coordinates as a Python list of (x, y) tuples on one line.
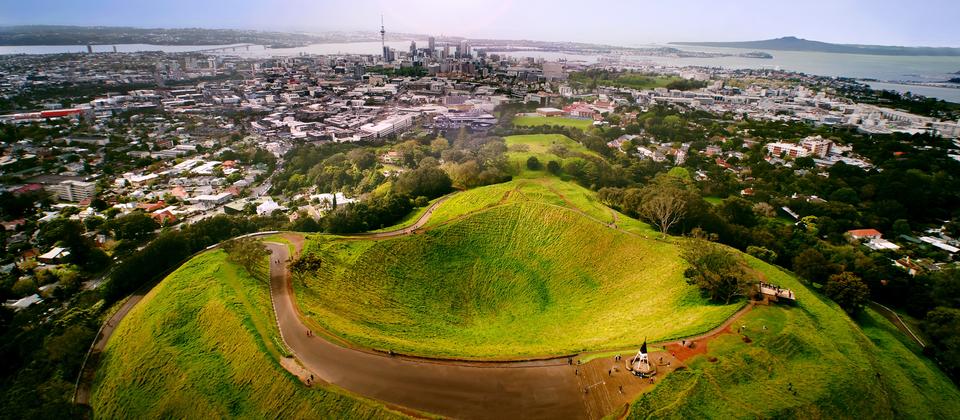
[(511, 270), (812, 361), (204, 344)]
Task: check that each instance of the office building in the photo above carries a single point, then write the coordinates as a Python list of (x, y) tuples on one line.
[(73, 191)]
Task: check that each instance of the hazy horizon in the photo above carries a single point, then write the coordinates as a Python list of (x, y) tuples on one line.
[(882, 22)]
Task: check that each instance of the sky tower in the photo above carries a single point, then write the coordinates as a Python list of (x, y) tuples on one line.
[(383, 42)]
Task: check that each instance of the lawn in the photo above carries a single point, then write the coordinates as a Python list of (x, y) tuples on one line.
[(204, 344), (814, 349), (545, 148), (530, 121), (716, 201), (526, 268)]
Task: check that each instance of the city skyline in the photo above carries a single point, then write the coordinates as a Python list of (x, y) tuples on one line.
[(884, 22)]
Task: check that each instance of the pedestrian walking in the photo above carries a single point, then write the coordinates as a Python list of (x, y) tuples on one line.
[(576, 372), (621, 389)]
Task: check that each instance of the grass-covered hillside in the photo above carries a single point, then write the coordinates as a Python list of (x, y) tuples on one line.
[(204, 344), (509, 270), (812, 361)]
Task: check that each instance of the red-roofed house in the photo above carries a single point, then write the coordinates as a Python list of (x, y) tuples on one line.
[(28, 189), (152, 207), (860, 234), (164, 218), (179, 192)]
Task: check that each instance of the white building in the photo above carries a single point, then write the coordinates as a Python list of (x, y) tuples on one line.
[(389, 126), (792, 150), (817, 146), (74, 191)]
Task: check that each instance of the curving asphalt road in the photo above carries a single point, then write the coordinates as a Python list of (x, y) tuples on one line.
[(531, 390)]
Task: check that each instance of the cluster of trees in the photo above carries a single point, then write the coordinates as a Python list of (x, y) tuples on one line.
[(171, 248), (593, 78), (248, 253), (329, 167), (717, 271), (411, 189)]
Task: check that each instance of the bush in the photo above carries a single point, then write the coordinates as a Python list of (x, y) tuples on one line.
[(762, 253), (553, 167), (534, 164)]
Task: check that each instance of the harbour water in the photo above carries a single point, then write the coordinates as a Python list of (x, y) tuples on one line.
[(885, 69)]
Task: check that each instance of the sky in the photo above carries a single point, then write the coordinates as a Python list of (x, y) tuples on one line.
[(617, 22)]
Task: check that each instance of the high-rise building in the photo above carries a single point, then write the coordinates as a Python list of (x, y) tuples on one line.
[(464, 49), (431, 45), (74, 191), (89, 49), (553, 70), (413, 48), (446, 51)]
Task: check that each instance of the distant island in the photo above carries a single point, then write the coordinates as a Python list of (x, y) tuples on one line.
[(791, 43), (112, 35)]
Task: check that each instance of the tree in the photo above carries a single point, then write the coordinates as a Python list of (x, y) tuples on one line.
[(533, 163), (362, 158), (762, 253), (812, 265), (848, 290), (60, 231), (307, 263), (804, 162), (717, 271), (553, 167), (663, 210), (132, 226), (901, 227), (247, 253), (943, 326), (429, 182), (763, 209)]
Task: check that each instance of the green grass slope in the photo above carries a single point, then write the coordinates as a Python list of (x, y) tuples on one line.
[(521, 276), (204, 344), (830, 361)]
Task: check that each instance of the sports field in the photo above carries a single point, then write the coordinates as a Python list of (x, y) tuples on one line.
[(530, 121), (204, 344)]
